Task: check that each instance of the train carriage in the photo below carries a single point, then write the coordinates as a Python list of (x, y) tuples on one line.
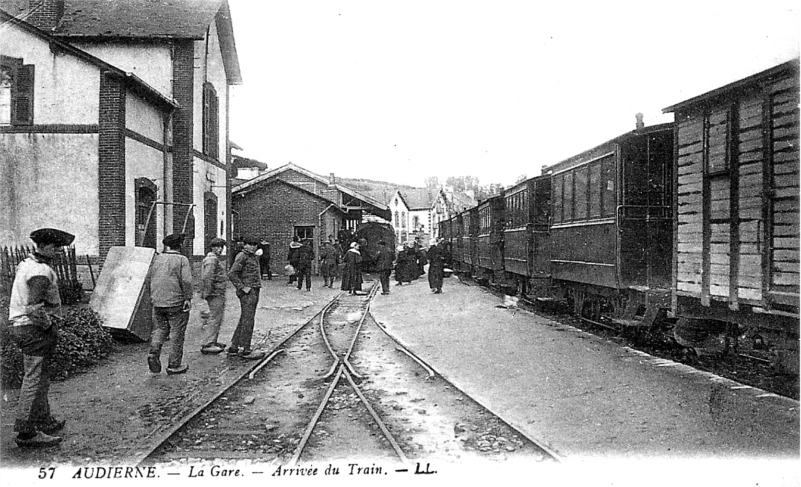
[(526, 242), (611, 223), (469, 256), (457, 243), (489, 242), (736, 184)]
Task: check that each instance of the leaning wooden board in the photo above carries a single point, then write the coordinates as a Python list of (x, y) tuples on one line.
[(122, 297)]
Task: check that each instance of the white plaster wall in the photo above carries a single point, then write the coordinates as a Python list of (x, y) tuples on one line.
[(143, 118), (49, 180), (151, 62), (142, 161), (207, 177), (209, 67), (65, 87)]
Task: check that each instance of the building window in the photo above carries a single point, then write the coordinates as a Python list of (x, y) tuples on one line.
[(211, 121), (16, 92), (403, 219), (397, 219), (304, 232), (416, 220)]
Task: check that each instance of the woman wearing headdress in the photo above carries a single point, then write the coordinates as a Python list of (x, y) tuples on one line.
[(352, 276)]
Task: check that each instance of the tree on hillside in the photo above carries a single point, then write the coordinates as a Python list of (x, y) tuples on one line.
[(462, 183), (432, 182)]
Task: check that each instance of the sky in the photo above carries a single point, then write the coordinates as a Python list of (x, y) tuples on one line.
[(401, 91)]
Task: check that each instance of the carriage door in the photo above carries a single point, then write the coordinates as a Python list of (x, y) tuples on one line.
[(145, 197), (209, 218)]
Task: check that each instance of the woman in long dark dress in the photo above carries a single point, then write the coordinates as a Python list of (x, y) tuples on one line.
[(352, 276)]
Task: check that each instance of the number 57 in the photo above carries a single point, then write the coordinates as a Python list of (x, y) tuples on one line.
[(43, 472)]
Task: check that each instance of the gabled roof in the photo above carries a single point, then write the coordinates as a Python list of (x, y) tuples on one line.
[(463, 200), (297, 188), (419, 198), (290, 166), (143, 19), (135, 83)]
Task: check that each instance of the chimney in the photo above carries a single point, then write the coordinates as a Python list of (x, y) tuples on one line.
[(332, 180), (45, 14), (640, 123)]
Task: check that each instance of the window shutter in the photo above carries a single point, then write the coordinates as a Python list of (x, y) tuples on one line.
[(206, 118), (22, 96), (214, 121)]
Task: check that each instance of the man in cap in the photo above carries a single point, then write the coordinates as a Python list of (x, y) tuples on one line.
[(329, 260), (214, 278), (34, 293), (171, 296), (245, 275)]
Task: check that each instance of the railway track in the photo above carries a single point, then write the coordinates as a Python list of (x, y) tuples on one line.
[(339, 388)]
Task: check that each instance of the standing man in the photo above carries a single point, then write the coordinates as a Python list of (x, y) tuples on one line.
[(34, 293), (383, 264), (212, 288), (245, 275), (264, 259), (436, 266), (292, 257), (171, 296), (304, 257), (329, 261)]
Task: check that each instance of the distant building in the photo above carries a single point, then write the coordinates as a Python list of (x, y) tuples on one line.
[(246, 169), (292, 201)]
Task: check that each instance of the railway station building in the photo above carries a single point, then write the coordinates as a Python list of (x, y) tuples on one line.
[(292, 201), (182, 51)]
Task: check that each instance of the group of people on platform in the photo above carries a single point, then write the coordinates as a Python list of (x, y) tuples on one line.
[(35, 295)]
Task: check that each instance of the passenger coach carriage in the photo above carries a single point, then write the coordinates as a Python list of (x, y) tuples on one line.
[(489, 240), (526, 242), (611, 224)]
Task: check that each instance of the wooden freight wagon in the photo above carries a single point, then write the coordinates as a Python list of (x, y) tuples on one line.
[(490, 240), (526, 249), (611, 224), (736, 233)]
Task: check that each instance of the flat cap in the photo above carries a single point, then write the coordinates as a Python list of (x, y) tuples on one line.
[(174, 240), (251, 240), (217, 242), (44, 236)]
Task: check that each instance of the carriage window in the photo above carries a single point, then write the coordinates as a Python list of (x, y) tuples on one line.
[(581, 193), (568, 192), (608, 194), (595, 190), (557, 199)]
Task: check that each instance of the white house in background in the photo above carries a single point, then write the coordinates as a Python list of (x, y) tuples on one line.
[(447, 204), (411, 214)]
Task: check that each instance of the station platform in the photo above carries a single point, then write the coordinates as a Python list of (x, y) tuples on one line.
[(581, 396)]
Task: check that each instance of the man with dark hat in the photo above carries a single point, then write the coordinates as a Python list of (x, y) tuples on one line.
[(171, 296), (329, 260), (34, 293), (213, 281), (245, 275)]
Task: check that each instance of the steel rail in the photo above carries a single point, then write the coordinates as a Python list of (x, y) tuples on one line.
[(346, 357), (379, 422), (263, 363), (313, 423), (138, 454)]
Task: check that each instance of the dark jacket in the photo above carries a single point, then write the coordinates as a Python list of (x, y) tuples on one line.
[(245, 271), (292, 255), (304, 255), (384, 259)]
